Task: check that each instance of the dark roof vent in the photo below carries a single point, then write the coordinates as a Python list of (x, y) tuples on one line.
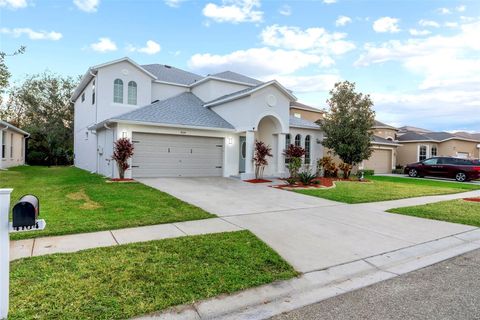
[(155, 101), (167, 66)]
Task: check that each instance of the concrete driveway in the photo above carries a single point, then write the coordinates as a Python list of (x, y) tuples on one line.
[(310, 233)]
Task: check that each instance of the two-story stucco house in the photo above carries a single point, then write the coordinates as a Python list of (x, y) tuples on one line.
[(184, 124), (13, 145)]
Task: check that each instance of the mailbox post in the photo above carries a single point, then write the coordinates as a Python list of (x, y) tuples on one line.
[(4, 251)]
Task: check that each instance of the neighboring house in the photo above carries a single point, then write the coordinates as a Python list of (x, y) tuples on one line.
[(384, 155), (302, 111), (13, 145), (184, 124), (418, 145)]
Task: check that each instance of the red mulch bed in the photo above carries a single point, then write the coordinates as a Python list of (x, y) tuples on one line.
[(257, 181), (477, 199), (322, 183)]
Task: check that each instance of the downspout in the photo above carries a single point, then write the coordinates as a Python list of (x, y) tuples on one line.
[(1, 139)]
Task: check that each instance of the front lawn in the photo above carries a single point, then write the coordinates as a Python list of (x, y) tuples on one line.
[(382, 188), (458, 211), (130, 280), (75, 201)]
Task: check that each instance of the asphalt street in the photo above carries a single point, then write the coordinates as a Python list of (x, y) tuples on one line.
[(447, 290)]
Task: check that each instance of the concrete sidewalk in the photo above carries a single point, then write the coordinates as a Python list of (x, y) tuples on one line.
[(76, 242)]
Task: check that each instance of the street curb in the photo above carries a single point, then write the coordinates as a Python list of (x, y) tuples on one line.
[(268, 300)]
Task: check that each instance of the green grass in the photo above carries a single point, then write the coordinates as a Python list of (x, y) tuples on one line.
[(458, 211), (125, 281), (387, 188), (75, 201)]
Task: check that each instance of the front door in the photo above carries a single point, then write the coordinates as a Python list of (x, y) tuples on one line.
[(242, 154)]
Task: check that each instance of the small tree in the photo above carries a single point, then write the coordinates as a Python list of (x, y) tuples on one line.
[(349, 123), (123, 150), (262, 151), (294, 156)]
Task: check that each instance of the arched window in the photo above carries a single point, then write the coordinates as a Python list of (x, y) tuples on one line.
[(287, 143), (132, 92), (118, 91), (422, 154), (298, 140), (434, 151), (307, 149)]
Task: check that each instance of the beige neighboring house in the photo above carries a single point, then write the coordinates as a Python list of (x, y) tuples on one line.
[(420, 144), (13, 145), (384, 145), (302, 111)]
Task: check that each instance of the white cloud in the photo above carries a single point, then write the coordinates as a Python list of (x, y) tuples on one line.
[(104, 45), (151, 47), (87, 5), (461, 8), (448, 67), (444, 11), (415, 32), (234, 11), (285, 10), (451, 24), (256, 62), (342, 21), (13, 4), (386, 24), (329, 1), (32, 34), (173, 3), (316, 39), (428, 23)]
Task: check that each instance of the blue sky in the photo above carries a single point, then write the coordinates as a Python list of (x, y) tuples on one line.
[(420, 60)]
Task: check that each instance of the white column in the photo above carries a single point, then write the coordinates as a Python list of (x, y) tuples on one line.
[(249, 144), (4, 251), (1, 137), (280, 156)]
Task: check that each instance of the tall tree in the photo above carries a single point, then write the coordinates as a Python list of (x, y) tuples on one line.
[(4, 73), (41, 106), (349, 123)]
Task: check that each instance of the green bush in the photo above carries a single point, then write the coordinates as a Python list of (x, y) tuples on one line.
[(366, 173), (397, 171), (306, 177)]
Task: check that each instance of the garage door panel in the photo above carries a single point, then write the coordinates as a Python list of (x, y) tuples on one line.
[(380, 161), (159, 155)]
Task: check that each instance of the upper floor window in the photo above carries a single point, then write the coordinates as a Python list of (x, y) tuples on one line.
[(307, 149), (422, 153), (298, 140), (434, 151), (132, 92), (93, 92), (118, 91)]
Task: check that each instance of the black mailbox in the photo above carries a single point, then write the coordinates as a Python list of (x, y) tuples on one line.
[(25, 212)]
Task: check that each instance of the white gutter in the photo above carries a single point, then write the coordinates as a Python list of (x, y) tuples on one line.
[(168, 125)]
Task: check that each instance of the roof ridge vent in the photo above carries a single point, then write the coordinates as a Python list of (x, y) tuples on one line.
[(167, 66)]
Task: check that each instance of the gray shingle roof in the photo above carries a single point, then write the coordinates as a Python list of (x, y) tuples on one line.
[(230, 75), (171, 74), (296, 104), (413, 136), (184, 109), (438, 135), (302, 123), (235, 93), (467, 135), (377, 139)]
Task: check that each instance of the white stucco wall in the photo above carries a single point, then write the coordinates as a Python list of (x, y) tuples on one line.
[(212, 89), (316, 149), (231, 151), (162, 91), (14, 149), (105, 139)]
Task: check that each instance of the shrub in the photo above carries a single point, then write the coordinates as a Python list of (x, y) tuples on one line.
[(368, 172), (306, 177), (123, 150), (330, 170), (346, 168), (291, 181), (294, 156), (262, 151), (397, 171)]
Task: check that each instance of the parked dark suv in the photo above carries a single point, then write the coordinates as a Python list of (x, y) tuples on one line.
[(459, 169)]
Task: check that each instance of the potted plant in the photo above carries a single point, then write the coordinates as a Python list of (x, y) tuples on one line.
[(123, 150), (262, 151)]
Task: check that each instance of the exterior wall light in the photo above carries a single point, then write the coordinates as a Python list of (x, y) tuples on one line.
[(124, 134), (230, 140)]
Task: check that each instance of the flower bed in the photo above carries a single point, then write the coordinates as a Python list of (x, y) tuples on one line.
[(120, 180), (316, 183), (257, 181), (477, 199)]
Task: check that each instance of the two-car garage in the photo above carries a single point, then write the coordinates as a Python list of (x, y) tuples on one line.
[(163, 155)]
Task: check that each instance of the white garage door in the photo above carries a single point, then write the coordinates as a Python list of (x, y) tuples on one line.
[(161, 155), (380, 161)]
